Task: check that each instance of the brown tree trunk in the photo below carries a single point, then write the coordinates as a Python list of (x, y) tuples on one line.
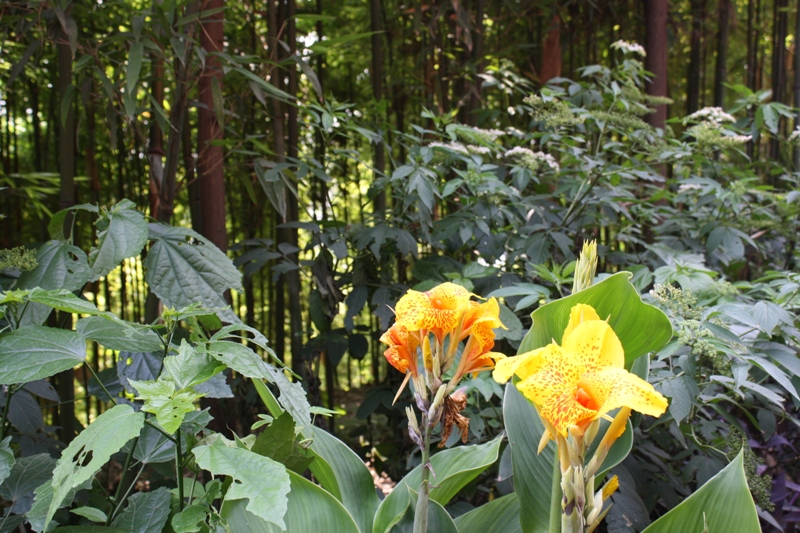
[(695, 62), (211, 171), (278, 305), (66, 165), (721, 70), (155, 152), (796, 153), (292, 208), (779, 31), (379, 162), (551, 52), (655, 42)]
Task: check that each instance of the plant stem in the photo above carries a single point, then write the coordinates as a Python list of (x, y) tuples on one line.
[(3, 429), (179, 467), (555, 497), (117, 500), (421, 513)]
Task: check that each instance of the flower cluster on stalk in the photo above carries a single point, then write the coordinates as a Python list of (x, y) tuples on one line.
[(423, 344)]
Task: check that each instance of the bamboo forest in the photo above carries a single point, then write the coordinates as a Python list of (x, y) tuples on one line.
[(399, 266)]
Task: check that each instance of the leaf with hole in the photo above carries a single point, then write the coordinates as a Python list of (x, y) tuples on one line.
[(84, 457)]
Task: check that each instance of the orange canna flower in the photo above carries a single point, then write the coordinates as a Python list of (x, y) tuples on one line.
[(487, 312), (402, 350), (477, 355), (583, 379), (438, 310)]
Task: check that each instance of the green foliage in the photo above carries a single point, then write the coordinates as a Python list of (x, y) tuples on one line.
[(37, 352), (722, 504), (83, 458), (261, 481)]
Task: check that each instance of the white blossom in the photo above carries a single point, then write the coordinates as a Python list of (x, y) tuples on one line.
[(629, 47), (452, 146), (714, 115)]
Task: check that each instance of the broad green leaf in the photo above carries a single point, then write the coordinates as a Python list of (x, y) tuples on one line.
[(161, 399), (91, 513), (293, 399), (238, 357), (7, 459), (121, 233), (147, 512), (139, 366), (342, 473), (309, 509), (134, 66), (184, 268), (65, 300), (438, 518), (188, 520), (722, 505), (455, 467), (260, 480), (533, 472), (37, 352), (501, 514), (641, 328), (60, 266), (190, 367), (11, 523), (392, 509), (56, 226), (27, 474), (88, 529), (86, 454), (453, 470), (278, 442), (116, 334)]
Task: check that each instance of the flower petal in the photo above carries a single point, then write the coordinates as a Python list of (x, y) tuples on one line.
[(553, 388), (616, 387), (523, 365), (595, 344), (578, 314), (439, 309)]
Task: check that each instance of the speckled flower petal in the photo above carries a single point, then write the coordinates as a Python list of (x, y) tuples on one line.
[(616, 387), (553, 388), (439, 309), (402, 351), (594, 345), (523, 365)]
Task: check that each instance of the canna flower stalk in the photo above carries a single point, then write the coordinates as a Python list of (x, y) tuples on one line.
[(423, 344), (573, 385)]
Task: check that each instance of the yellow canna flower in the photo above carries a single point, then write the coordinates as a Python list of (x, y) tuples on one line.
[(402, 350), (438, 310), (583, 379)]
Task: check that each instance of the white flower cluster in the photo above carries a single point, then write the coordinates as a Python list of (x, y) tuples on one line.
[(515, 132), (738, 139), (629, 48), (714, 115), (453, 147), (494, 134), (794, 137), (482, 150), (532, 160)]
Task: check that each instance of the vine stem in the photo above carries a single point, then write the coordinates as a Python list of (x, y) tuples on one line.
[(421, 512), (179, 468), (4, 429), (118, 498)]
